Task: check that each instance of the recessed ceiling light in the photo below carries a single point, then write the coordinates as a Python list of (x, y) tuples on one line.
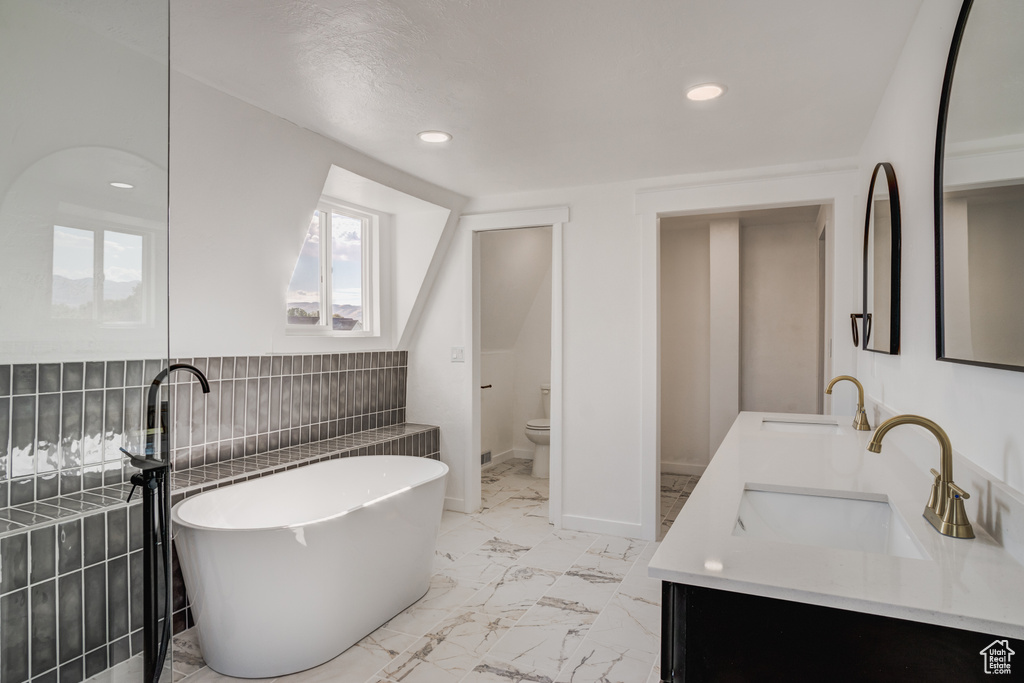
[(122, 186), (705, 91), (435, 136)]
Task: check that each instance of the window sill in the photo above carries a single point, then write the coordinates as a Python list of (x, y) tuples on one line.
[(287, 339), (310, 331)]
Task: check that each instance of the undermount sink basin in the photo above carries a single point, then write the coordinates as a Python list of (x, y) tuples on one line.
[(832, 520), (776, 424)]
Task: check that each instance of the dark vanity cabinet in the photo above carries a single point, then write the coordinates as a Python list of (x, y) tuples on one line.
[(717, 635)]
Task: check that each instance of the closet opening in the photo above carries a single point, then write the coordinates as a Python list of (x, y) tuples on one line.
[(742, 311)]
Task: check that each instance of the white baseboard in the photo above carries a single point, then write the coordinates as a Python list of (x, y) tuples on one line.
[(593, 525), (454, 504), (508, 455), (682, 468), (499, 458)]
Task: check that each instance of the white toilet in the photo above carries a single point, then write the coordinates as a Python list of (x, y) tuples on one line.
[(539, 432)]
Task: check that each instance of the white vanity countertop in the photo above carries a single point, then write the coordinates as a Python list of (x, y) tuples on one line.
[(968, 584)]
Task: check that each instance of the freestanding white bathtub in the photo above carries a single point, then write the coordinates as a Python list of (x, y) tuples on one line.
[(287, 571)]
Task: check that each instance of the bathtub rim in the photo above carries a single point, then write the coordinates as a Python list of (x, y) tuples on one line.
[(177, 521)]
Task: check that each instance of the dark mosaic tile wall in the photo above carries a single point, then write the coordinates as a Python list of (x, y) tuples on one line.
[(71, 597), (62, 424), (262, 403)]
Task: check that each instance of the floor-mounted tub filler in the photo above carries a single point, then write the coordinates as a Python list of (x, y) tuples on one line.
[(286, 572)]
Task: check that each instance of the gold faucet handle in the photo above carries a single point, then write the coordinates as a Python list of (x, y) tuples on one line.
[(958, 491), (933, 497), (954, 520)]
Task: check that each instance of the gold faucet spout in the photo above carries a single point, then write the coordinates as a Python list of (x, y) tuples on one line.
[(945, 448), (945, 509), (860, 420)]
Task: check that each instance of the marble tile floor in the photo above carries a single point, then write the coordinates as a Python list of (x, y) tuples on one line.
[(675, 490), (511, 600)]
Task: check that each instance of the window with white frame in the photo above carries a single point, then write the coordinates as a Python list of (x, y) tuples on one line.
[(331, 289)]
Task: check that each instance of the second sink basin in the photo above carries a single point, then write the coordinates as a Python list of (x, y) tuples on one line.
[(832, 520), (778, 424)]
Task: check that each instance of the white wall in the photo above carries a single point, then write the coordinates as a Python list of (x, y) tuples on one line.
[(604, 316), (497, 369), (779, 318), (754, 308), (532, 360), (513, 264), (243, 183), (441, 392), (979, 407), (417, 235), (724, 397), (601, 335), (685, 344)]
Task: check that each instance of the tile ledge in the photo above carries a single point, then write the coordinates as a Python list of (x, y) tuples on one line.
[(248, 467)]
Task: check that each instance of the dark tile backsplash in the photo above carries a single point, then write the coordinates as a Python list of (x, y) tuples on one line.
[(60, 603), (62, 425), (262, 403)]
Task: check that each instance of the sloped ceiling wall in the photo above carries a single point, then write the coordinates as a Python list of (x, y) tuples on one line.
[(513, 264)]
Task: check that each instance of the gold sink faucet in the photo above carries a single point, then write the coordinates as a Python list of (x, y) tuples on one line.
[(945, 509), (860, 420)]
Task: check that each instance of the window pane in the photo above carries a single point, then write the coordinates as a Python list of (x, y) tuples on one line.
[(303, 298), (346, 272), (73, 257), (122, 277)]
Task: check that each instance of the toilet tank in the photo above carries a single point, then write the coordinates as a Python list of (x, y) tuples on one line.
[(545, 398)]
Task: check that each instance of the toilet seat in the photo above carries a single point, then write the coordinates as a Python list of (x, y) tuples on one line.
[(539, 425)]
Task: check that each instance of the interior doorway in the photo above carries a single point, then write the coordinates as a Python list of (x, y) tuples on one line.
[(742, 299), (509, 305), (515, 348)]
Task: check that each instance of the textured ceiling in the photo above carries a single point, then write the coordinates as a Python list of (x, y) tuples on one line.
[(542, 93)]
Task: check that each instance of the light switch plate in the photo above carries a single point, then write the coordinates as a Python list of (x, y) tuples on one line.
[(458, 354)]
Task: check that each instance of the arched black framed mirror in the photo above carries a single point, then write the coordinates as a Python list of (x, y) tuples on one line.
[(979, 190), (881, 321)]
